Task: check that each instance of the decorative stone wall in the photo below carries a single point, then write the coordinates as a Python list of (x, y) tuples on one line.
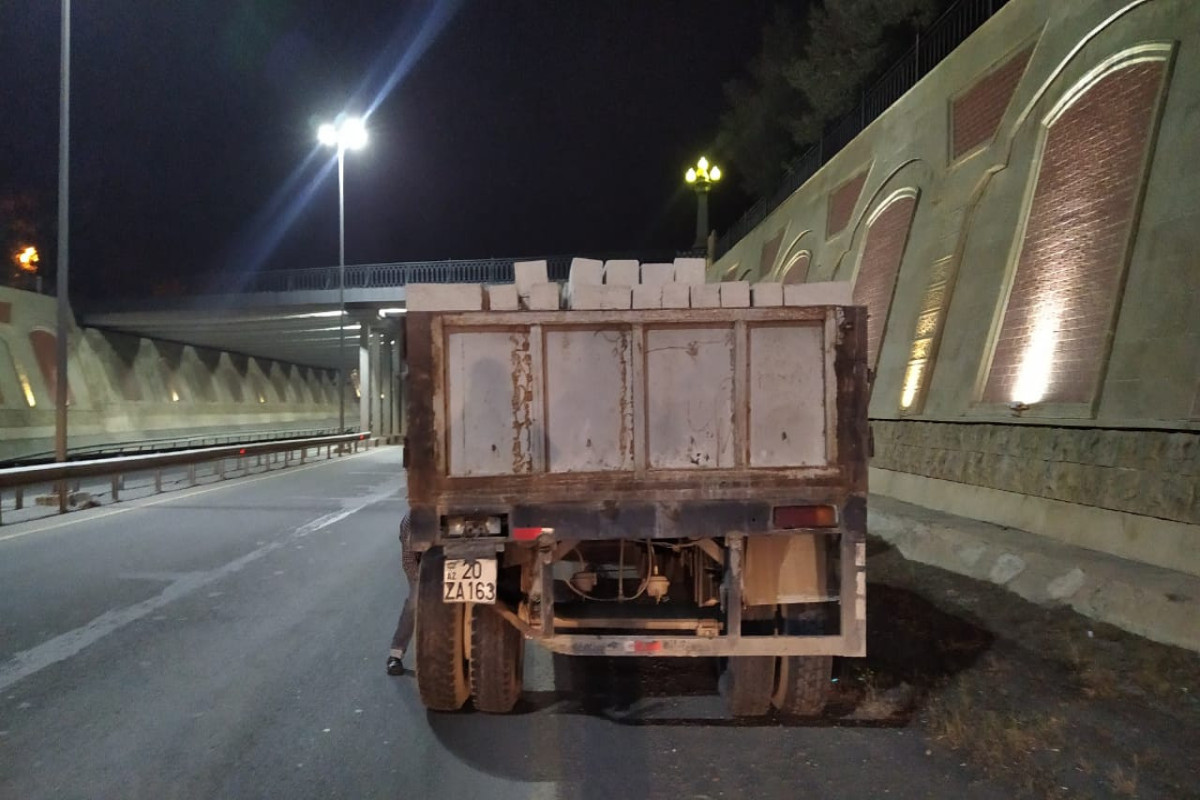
[(1150, 472)]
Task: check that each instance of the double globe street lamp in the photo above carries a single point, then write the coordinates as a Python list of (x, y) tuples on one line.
[(344, 133)]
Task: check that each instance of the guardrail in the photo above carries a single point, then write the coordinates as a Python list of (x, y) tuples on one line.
[(59, 475), (174, 443)]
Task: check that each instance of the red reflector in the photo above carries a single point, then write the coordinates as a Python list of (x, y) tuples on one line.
[(362, 436), (242, 452), (789, 517), (647, 647), (529, 534)]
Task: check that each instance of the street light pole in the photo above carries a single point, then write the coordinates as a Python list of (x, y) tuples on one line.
[(341, 156), (63, 309), (345, 133)]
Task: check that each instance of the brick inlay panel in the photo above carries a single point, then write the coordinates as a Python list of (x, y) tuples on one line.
[(876, 282), (976, 113), (841, 204), (1054, 334), (797, 271)]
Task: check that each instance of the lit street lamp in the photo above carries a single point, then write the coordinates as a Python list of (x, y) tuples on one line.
[(701, 179), (344, 133)]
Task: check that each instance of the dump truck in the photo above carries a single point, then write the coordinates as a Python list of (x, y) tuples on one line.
[(663, 483)]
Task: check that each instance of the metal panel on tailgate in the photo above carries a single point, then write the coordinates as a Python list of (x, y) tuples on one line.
[(690, 397), (589, 399), (787, 396), (490, 403)]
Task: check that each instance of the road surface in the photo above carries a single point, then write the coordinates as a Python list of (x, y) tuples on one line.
[(229, 641)]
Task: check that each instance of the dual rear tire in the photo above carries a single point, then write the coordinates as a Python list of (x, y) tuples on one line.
[(464, 650)]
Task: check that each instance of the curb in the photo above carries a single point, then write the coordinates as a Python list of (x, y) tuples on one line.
[(1149, 601)]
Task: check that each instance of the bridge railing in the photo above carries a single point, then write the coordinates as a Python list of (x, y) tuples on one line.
[(931, 48), (381, 276)]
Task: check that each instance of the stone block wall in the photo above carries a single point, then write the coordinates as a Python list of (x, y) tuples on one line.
[(1150, 472)]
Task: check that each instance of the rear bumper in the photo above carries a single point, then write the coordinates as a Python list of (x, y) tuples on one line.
[(687, 519)]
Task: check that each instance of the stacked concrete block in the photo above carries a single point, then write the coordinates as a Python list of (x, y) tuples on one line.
[(542, 297), (529, 274), (648, 295), (503, 297), (622, 272), (766, 294), (676, 295), (828, 293), (735, 294), (602, 298), (658, 274), (584, 272), (706, 295), (691, 271), (444, 297)]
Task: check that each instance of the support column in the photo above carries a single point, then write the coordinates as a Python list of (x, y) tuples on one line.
[(364, 377), (387, 385), (376, 373), (401, 383)]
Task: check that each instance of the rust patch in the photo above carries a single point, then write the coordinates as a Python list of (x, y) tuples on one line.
[(625, 443), (522, 404)]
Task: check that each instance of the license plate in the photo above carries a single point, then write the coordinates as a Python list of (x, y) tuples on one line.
[(469, 580)]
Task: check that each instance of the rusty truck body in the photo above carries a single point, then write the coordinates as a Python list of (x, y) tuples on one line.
[(641, 483)]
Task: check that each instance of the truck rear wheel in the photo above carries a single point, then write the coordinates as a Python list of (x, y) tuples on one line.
[(802, 685), (747, 685), (497, 661), (802, 682), (441, 651)]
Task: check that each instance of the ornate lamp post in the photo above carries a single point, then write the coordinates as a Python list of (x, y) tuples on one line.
[(701, 179)]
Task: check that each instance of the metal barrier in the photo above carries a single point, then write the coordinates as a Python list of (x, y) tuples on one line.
[(60, 474), (930, 49), (175, 443)]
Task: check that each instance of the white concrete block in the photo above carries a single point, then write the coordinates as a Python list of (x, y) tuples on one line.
[(588, 271), (543, 297), (735, 294), (676, 295), (648, 296), (658, 274), (503, 297), (529, 274), (622, 272), (602, 298), (766, 294), (443, 297), (690, 270), (706, 295), (827, 293)]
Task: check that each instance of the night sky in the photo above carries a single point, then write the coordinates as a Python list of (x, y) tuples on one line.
[(511, 128)]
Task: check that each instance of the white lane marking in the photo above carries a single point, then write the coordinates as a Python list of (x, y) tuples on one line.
[(68, 644), (186, 494)]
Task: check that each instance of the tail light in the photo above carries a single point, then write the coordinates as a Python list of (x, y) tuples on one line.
[(791, 517)]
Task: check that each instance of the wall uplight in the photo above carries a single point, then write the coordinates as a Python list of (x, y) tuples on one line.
[(1037, 362)]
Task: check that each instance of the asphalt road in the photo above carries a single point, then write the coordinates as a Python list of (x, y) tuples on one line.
[(229, 641)]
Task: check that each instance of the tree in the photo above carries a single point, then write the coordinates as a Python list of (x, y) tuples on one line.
[(812, 68)]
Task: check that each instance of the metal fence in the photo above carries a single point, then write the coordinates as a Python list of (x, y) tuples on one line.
[(930, 48)]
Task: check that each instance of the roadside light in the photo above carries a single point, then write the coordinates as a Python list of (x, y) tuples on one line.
[(690, 175), (27, 259)]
